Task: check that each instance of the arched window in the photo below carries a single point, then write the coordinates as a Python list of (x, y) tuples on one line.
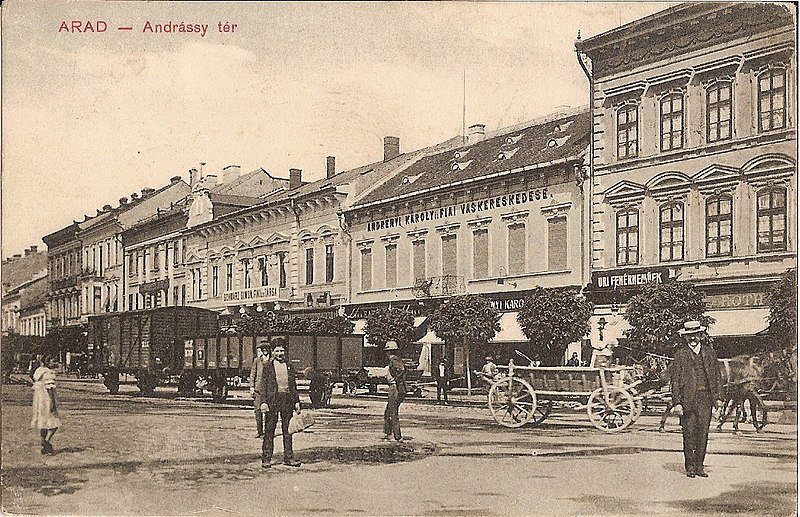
[(719, 226), (628, 131), (772, 99), (771, 213), (719, 111), (672, 121), (628, 236), (671, 231)]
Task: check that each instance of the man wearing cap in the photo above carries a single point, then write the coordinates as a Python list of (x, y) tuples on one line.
[(397, 393), (276, 385), (262, 356), (696, 385)]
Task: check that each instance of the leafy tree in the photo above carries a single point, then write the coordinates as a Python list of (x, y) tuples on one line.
[(783, 310), (469, 320), (659, 311), (261, 324), (552, 319), (389, 324), (65, 339)]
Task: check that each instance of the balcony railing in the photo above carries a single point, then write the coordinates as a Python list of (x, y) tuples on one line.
[(446, 285)]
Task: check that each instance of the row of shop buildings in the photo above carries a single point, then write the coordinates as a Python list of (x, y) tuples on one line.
[(682, 166)]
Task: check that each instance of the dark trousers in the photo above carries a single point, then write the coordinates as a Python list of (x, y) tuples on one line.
[(257, 401), (441, 389), (391, 416), (284, 407), (695, 422)]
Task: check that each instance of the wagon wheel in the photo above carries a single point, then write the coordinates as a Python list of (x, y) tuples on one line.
[(543, 409), (512, 402), (612, 413)]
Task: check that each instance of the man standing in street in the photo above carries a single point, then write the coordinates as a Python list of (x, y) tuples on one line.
[(276, 385), (397, 393), (442, 373), (262, 356), (696, 385)]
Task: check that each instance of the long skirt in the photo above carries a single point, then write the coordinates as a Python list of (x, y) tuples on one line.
[(43, 418)]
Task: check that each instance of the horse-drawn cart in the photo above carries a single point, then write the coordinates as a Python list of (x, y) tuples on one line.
[(526, 394)]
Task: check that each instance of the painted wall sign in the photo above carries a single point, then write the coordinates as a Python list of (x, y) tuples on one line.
[(734, 301), (628, 277), (253, 294), (472, 207)]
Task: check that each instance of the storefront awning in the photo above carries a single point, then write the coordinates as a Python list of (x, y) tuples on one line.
[(430, 338), (510, 331), (739, 322)]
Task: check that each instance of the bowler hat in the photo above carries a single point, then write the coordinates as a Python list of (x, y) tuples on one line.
[(391, 345), (691, 327)]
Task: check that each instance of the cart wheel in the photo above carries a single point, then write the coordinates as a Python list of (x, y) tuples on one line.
[(612, 413), (542, 411), (512, 402)]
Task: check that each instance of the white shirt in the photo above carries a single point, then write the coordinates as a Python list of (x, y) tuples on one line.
[(695, 348)]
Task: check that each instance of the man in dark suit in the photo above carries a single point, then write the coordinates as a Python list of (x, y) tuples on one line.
[(275, 384), (442, 375), (262, 357), (696, 385)]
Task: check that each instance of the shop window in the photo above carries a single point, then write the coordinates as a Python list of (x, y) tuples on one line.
[(366, 269), (719, 112), (391, 265), (419, 260), (480, 253), (719, 226), (671, 232), (672, 121), (329, 263), (628, 237), (449, 255), (771, 215), (516, 249), (557, 244), (628, 131), (772, 99)]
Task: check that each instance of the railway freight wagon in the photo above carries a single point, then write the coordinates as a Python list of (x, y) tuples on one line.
[(148, 344)]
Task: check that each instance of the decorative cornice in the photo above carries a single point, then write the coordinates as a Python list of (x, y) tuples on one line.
[(513, 217), (479, 223), (557, 210)]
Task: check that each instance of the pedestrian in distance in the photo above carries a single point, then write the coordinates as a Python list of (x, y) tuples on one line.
[(574, 361), (276, 385), (45, 403), (397, 393), (443, 374), (696, 388), (262, 356), (489, 372)]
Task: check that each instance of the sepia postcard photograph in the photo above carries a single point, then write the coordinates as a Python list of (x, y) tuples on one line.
[(463, 258)]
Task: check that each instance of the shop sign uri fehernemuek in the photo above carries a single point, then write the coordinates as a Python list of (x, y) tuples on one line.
[(628, 278)]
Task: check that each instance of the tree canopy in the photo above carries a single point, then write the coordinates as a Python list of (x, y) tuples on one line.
[(389, 324), (658, 311), (783, 310), (552, 319), (468, 319), (266, 323)]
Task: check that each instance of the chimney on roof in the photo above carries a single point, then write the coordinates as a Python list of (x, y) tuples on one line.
[(106, 208), (230, 173), (330, 166), (391, 147), (295, 178), (17, 256), (194, 177), (211, 179), (27, 252), (134, 197), (476, 133), (34, 249), (123, 201), (175, 179), (147, 192)]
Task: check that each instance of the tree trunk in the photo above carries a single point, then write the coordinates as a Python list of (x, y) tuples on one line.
[(469, 373)]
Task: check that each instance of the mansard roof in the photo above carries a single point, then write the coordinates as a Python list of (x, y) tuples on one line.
[(555, 139)]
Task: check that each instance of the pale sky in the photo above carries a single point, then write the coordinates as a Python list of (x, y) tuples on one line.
[(92, 117)]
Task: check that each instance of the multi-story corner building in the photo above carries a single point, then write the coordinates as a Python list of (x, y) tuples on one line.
[(496, 216), (155, 246), (288, 253), (694, 160), (19, 273), (64, 270)]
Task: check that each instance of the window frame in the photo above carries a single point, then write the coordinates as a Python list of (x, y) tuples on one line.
[(771, 95), (329, 263), (628, 231), (716, 109), (629, 127), (309, 262), (671, 225), (718, 218), (771, 212), (670, 98)]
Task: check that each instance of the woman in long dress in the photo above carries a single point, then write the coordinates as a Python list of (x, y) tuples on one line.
[(45, 403)]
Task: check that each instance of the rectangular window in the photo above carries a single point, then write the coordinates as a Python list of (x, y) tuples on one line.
[(175, 253), (771, 218), (449, 255), (130, 302), (480, 253), (309, 266), (175, 295), (183, 294), (214, 281), (672, 121), (144, 262), (228, 277), (391, 265), (183, 251), (199, 284), (366, 269), (282, 269), (627, 237), (156, 259), (719, 226), (262, 268), (719, 119), (99, 261), (772, 99), (628, 131), (557, 244), (671, 232), (419, 260), (516, 249), (131, 264), (329, 263), (246, 273)]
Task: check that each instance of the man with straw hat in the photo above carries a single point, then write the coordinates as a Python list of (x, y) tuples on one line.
[(696, 384), (397, 393)]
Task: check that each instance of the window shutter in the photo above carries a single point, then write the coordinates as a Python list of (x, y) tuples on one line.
[(557, 244)]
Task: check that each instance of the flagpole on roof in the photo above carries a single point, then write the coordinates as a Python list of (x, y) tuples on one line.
[(464, 111)]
